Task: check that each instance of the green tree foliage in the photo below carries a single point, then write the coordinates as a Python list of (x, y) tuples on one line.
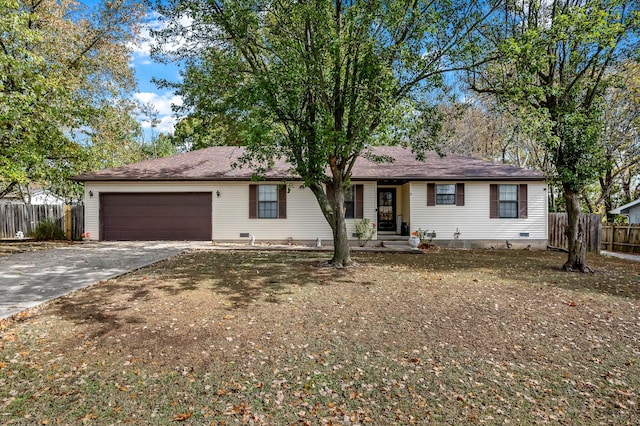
[(618, 184), (315, 82), (62, 68), (553, 68)]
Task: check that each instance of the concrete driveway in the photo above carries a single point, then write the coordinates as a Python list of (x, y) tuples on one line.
[(31, 278)]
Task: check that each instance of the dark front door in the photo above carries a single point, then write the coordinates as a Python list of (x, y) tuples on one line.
[(386, 209)]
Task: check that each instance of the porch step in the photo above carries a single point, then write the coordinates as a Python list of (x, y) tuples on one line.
[(396, 243), (392, 237)]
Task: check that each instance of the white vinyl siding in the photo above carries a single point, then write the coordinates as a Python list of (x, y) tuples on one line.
[(231, 209), (472, 220)]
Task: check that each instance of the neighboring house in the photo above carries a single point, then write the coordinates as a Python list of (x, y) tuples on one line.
[(631, 210), (35, 196), (199, 195)]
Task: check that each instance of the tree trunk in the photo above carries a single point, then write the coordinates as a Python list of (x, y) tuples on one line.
[(341, 248), (333, 210), (575, 234)]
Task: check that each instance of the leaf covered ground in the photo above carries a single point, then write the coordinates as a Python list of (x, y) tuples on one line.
[(8, 248), (451, 337)]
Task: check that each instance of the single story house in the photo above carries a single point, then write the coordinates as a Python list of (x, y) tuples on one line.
[(34, 195), (631, 210), (200, 195)]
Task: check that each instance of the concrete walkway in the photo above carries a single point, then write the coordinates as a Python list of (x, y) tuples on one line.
[(31, 278)]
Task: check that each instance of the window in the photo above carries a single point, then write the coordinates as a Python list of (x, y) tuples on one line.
[(508, 201), (445, 194), (353, 201), (508, 196), (267, 202), (349, 204)]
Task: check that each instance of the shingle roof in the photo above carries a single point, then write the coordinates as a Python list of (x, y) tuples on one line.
[(215, 163), (625, 209)]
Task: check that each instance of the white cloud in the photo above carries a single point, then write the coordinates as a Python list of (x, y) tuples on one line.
[(166, 125), (142, 47), (161, 102)]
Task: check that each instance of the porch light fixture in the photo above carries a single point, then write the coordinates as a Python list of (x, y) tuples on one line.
[(218, 194), (90, 193)]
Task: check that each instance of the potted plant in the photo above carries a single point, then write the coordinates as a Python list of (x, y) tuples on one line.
[(414, 239)]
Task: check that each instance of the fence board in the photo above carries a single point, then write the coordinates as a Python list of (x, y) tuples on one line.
[(25, 218), (621, 238), (591, 224), (77, 222)]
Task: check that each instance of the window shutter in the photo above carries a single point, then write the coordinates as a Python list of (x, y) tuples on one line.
[(523, 203), (282, 202), (431, 194), (359, 208), (494, 201), (253, 201), (459, 194)]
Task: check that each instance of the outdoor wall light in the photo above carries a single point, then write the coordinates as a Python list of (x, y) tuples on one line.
[(90, 193), (218, 194)]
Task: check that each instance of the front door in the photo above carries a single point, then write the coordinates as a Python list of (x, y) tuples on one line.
[(386, 209)]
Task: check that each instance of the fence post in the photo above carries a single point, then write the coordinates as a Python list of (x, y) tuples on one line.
[(613, 237), (67, 222)]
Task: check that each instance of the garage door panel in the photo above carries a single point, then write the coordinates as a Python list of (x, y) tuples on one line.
[(156, 216)]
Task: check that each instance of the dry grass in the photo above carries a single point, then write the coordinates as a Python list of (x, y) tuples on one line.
[(265, 337), (7, 248)]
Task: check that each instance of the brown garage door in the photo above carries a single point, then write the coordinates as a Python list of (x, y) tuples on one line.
[(155, 216)]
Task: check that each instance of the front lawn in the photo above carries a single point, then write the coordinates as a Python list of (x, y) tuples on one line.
[(269, 337)]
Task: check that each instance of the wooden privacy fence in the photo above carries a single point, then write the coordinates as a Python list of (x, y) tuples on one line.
[(591, 225), (621, 238), (25, 218)]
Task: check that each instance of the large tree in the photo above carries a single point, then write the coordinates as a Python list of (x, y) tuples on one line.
[(315, 82), (554, 65), (621, 139), (62, 68)]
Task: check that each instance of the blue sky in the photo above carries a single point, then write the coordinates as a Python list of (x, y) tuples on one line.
[(146, 69)]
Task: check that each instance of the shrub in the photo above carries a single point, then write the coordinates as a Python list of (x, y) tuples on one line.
[(48, 229), (365, 231)]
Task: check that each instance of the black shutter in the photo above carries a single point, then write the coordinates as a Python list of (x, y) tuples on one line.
[(282, 202), (494, 201), (523, 202), (459, 194), (253, 201), (431, 194), (359, 201)]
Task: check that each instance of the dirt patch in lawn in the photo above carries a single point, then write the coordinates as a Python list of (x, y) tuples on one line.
[(12, 247), (269, 337)]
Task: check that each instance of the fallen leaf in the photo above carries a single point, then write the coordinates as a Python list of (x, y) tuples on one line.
[(182, 417), (88, 417)]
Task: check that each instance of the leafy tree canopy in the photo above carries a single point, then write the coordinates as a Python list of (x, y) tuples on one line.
[(316, 82), (552, 68), (63, 68)]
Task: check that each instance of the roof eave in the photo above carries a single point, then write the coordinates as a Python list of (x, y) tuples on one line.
[(279, 178)]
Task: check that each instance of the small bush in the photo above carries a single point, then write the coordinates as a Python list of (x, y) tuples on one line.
[(48, 229)]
